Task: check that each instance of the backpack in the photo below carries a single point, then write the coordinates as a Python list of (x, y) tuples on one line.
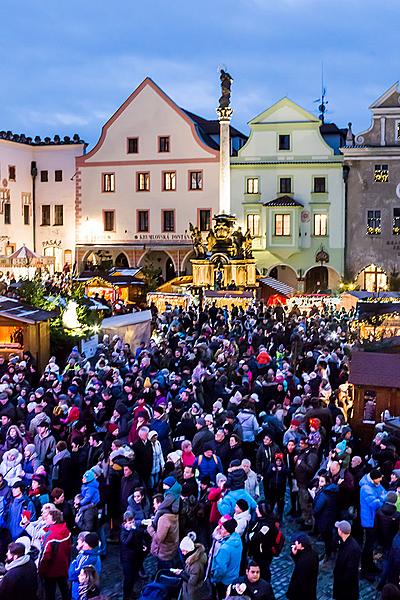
[(201, 458), (279, 542)]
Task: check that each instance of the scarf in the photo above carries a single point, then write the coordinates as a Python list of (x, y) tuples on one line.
[(22, 560), (60, 455)]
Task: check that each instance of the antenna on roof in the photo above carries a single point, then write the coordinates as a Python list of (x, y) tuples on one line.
[(322, 101)]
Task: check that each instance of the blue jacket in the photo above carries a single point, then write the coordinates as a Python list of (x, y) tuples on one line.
[(371, 498), (226, 505), (226, 562), (84, 558), (15, 513), (326, 507), (90, 493), (208, 466)]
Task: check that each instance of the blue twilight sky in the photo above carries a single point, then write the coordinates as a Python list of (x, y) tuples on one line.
[(66, 66)]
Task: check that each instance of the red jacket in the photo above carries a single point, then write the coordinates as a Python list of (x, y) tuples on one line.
[(214, 495), (55, 555)]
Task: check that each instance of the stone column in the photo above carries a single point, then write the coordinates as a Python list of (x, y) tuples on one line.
[(224, 117)]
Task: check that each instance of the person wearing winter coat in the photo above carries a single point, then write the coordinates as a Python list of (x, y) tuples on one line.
[(45, 445), (20, 579), (262, 536), (306, 463), (208, 463), (132, 552), (226, 505), (88, 554), (55, 556), (242, 517), (62, 469), (275, 484), (325, 510), (372, 497), (303, 582), (89, 489), (249, 424), (159, 423), (139, 506), (10, 466), (85, 516), (251, 485), (265, 454), (195, 560), (387, 520), (164, 533), (201, 437), (225, 563), (158, 460), (17, 506), (30, 463), (346, 570)]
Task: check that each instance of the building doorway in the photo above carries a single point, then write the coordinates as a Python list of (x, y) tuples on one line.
[(316, 280), (121, 262)]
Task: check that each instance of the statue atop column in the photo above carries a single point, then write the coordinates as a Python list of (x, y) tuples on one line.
[(226, 82)]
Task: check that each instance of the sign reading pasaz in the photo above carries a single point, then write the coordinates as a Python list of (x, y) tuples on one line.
[(152, 237)]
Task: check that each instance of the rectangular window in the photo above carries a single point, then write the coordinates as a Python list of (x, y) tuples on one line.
[(374, 222), (282, 225), (320, 224), (58, 175), (44, 176), (108, 182), (46, 214), (252, 185), (7, 213), (204, 219), (59, 214), (12, 173), (143, 182), (142, 221), (285, 185), (163, 143), (254, 225), (319, 185), (26, 214), (133, 145), (168, 221), (369, 415), (169, 181), (284, 142), (396, 221), (381, 173), (195, 180), (109, 220)]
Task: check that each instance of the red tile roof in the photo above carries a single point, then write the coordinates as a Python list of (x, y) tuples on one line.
[(375, 369)]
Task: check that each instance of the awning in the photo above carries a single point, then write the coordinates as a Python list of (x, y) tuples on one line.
[(278, 286)]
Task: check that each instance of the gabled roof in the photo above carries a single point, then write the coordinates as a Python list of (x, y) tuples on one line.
[(375, 369), (284, 201), (17, 311), (278, 286), (379, 101), (285, 102)]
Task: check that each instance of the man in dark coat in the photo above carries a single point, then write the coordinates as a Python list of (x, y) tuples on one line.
[(129, 482), (346, 570), (303, 583), (202, 436), (306, 463), (20, 580), (143, 449)]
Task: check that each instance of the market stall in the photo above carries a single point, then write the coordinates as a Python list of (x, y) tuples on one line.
[(168, 300), (132, 328), (274, 291), (117, 285), (229, 298), (24, 263), (374, 321), (305, 302), (348, 300)]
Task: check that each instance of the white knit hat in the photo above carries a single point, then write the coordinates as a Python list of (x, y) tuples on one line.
[(187, 544)]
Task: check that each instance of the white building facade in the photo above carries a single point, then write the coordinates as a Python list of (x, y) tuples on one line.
[(37, 195), (154, 170), (287, 188)]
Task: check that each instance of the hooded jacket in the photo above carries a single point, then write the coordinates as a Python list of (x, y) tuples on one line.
[(225, 564), (226, 505), (371, 498), (85, 558), (387, 520), (56, 551), (90, 493), (11, 469), (165, 538), (325, 507), (303, 583), (249, 423)]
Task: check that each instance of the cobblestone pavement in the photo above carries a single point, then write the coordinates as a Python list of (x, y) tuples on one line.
[(281, 569)]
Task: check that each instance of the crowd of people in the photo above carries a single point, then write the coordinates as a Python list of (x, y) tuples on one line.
[(192, 456)]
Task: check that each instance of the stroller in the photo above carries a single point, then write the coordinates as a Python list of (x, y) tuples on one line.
[(166, 586)]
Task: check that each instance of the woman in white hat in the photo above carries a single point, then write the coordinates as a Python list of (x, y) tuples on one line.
[(193, 587)]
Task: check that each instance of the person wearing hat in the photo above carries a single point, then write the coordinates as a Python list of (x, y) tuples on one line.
[(202, 436), (303, 582), (195, 560), (372, 496), (90, 489), (346, 569), (225, 564), (20, 503), (208, 463), (45, 444), (88, 555), (20, 579), (159, 423), (158, 459)]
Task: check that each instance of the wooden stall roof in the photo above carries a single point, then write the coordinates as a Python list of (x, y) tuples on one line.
[(375, 369), (17, 311), (278, 286)]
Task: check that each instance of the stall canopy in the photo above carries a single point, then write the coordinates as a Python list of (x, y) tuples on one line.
[(369, 309), (278, 286), (132, 328), (375, 369)]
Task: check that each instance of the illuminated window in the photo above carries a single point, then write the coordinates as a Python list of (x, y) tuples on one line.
[(282, 225), (143, 182), (142, 223), (254, 225), (381, 173), (169, 181), (196, 180), (252, 185), (204, 219), (58, 175), (108, 182), (285, 185), (374, 279), (163, 143), (59, 214), (320, 224), (319, 185), (284, 142), (133, 145), (396, 221), (374, 222), (109, 220), (168, 220), (46, 214)]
